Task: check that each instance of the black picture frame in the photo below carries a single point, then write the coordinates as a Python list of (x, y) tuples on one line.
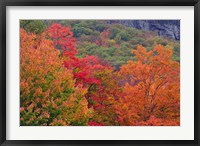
[(5, 3)]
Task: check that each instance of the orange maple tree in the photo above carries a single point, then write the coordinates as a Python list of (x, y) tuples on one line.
[(58, 88), (48, 95), (151, 91)]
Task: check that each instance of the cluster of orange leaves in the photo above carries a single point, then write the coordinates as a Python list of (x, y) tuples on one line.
[(57, 88), (48, 95), (151, 90)]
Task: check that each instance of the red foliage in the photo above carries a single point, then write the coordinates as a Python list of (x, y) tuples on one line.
[(87, 91), (103, 40), (83, 69), (93, 123), (62, 38)]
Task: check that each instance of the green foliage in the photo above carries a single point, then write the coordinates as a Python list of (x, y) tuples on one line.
[(33, 26), (79, 30), (48, 93), (113, 32), (92, 41), (88, 33), (124, 36), (97, 78)]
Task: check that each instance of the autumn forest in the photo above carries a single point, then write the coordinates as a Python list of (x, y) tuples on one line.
[(97, 73)]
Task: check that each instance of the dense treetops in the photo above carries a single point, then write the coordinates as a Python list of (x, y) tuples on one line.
[(97, 75), (111, 42)]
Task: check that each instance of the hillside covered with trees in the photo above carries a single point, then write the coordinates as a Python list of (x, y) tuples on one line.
[(97, 73)]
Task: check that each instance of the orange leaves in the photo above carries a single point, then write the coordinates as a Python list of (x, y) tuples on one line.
[(152, 86), (141, 54), (58, 88), (46, 84)]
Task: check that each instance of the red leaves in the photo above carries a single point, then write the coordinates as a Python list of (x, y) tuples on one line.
[(58, 88), (86, 80), (84, 68), (93, 123), (104, 38), (62, 38)]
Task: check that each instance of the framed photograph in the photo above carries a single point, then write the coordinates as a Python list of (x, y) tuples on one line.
[(83, 72)]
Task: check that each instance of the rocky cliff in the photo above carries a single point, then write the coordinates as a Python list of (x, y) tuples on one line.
[(169, 28)]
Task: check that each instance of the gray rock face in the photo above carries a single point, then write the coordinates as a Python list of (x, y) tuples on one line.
[(169, 28)]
